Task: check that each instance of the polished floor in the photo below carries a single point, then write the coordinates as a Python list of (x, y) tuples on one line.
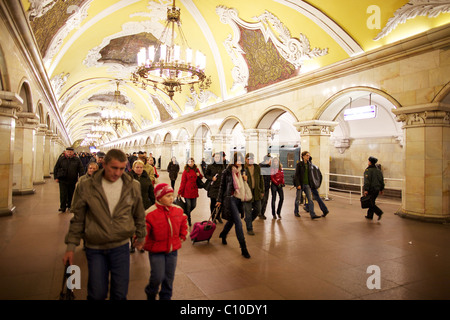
[(291, 259)]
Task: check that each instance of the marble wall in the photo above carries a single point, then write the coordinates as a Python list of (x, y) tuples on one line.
[(353, 161)]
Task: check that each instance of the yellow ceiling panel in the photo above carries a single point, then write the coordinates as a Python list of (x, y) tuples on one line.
[(360, 21)]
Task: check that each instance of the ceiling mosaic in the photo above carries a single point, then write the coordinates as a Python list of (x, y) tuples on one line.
[(87, 45)]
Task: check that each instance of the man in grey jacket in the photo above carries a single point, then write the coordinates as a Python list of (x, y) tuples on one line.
[(108, 211)]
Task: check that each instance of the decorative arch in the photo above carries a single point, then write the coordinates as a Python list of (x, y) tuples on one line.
[(4, 77), (443, 95), (157, 139), (331, 108), (25, 94), (181, 132), (271, 115), (202, 130), (168, 137), (229, 123), (40, 113)]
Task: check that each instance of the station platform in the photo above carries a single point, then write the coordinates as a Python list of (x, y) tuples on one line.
[(294, 258)]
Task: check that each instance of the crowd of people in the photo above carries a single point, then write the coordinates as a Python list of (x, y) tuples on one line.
[(118, 196)]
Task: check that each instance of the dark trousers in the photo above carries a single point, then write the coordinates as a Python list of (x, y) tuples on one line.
[(373, 207), (264, 201), (277, 189), (103, 263), (162, 274), (66, 190)]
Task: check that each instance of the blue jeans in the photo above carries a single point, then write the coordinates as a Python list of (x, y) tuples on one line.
[(102, 262), (252, 209), (298, 199), (235, 220), (313, 194), (277, 189), (319, 200), (307, 190), (162, 274), (191, 203)]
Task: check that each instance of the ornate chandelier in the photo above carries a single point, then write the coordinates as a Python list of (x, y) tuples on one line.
[(171, 65), (115, 117)]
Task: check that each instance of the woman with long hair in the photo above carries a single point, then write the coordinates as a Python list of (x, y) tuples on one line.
[(231, 195), (188, 187), (213, 174), (147, 190), (277, 179)]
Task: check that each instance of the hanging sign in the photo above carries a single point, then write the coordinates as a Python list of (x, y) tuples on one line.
[(366, 112)]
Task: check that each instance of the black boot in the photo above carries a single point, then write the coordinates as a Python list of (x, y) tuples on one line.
[(244, 250), (224, 237)]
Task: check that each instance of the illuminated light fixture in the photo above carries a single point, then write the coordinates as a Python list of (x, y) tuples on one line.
[(94, 135), (359, 113), (171, 65), (115, 117), (100, 129)]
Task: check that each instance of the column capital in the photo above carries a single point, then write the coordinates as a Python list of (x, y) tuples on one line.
[(316, 127), (28, 119), (257, 132), (10, 103), (432, 114)]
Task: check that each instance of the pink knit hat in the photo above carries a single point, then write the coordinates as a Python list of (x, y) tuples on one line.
[(162, 189)]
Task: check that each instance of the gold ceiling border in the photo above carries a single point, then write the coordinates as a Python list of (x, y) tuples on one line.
[(293, 50)]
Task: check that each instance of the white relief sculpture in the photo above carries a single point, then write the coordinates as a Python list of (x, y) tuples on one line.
[(414, 8), (58, 82), (39, 7), (293, 50)]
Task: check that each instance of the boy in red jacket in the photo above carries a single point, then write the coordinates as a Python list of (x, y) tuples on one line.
[(166, 229)]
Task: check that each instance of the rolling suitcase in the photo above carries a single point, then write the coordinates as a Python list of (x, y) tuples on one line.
[(202, 231)]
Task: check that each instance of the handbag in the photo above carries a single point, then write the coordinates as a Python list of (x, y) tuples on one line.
[(365, 201), (248, 192), (208, 184), (66, 293), (200, 183), (179, 202)]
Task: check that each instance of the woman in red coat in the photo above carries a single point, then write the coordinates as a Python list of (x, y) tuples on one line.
[(188, 187), (277, 178)]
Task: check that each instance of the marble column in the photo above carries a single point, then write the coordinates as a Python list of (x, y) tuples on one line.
[(54, 151), (197, 150), (48, 136), (166, 153), (10, 103), (24, 142), (315, 138), (39, 154), (257, 142), (427, 158), (217, 143)]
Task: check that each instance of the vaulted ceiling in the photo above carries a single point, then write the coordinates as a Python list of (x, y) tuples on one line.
[(89, 45)]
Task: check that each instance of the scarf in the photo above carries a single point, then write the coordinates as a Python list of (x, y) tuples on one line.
[(240, 191)]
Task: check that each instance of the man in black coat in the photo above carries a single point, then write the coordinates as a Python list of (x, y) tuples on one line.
[(66, 172), (305, 180)]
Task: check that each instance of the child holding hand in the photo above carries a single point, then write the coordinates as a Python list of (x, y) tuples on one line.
[(166, 229)]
